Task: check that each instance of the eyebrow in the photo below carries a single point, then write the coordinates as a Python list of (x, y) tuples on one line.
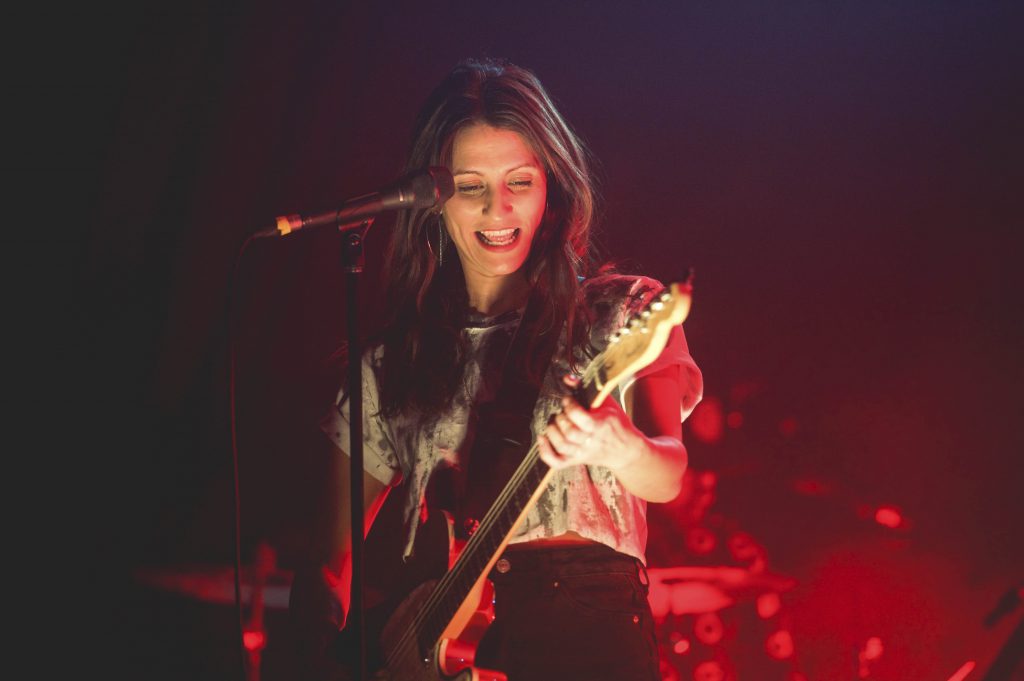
[(469, 171)]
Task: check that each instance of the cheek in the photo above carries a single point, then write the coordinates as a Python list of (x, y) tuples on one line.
[(536, 211)]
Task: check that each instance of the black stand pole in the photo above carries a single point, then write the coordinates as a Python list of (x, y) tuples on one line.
[(352, 263)]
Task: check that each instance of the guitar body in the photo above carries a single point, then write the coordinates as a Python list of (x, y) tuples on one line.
[(450, 658), (395, 594)]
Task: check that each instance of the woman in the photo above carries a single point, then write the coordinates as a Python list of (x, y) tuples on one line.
[(492, 309)]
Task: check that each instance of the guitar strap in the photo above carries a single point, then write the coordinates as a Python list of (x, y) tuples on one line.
[(502, 426)]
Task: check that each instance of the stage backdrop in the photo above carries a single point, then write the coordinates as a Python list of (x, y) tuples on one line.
[(841, 177)]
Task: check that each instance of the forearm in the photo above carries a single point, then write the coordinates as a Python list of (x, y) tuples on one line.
[(655, 473), (338, 576), (338, 568)]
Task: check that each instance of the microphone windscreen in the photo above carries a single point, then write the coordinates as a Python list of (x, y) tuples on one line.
[(444, 184)]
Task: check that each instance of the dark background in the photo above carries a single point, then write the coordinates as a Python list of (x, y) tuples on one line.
[(843, 178)]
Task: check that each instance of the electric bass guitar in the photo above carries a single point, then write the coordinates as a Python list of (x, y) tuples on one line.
[(432, 635)]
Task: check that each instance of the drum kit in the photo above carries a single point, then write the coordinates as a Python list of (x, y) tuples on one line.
[(717, 608), (690, 597), (696, 635), (261, 586)]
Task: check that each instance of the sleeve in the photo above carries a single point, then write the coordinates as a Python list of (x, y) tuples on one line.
[(380, 458), (676, 351), (691, 380)]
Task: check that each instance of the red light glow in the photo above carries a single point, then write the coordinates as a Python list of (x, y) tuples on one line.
[(734, 420), (779, 645), (811, 487), (768, 605), (254, 640), (743, 391), (707, 422), (873, 648), (889, 517), (962, 673), (788, 427)]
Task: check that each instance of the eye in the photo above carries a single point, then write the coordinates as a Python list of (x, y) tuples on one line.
[(470, 188), (521, 183)]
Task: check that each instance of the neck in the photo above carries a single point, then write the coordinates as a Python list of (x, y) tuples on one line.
[(496, 295)]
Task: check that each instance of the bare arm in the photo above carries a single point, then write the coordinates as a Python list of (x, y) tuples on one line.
[(338, 570), (319, 598), (646, 453)]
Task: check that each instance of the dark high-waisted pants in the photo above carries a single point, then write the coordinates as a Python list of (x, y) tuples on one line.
[(571, 612)]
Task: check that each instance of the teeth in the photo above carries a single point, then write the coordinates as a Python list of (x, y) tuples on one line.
[(498, 237)]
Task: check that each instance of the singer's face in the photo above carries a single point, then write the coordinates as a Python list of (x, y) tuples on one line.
[(499, 201)]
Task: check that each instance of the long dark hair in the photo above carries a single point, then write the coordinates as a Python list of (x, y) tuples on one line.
[(427, 303)]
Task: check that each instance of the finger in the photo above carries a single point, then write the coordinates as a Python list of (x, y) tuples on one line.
[(557, 439), (572, 433), (548, 455), (577, 415), (564, 425)]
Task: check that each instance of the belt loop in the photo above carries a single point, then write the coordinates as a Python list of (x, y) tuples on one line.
[(641, 571)]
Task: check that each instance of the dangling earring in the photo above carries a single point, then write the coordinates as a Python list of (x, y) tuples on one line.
[(440, 239), (439, 253)]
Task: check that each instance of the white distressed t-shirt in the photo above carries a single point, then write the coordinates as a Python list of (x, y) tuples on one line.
[(588, 500)]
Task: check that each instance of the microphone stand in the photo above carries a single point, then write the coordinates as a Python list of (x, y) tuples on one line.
[(353, 220), (352, 259)]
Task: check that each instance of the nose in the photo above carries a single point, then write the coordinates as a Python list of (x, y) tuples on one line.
[(499, 202)]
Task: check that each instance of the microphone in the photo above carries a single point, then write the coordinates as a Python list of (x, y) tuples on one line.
[(418, 189)]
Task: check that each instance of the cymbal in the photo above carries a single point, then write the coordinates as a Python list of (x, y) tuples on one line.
[(699, 589), (727, 577), (216, 584)]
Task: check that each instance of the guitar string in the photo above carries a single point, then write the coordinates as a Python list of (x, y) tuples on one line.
[(590, 373), (413, 630), (469, 552), (472, 547)]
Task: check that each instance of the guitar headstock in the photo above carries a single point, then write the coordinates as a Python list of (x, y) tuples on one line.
[(643, 337)]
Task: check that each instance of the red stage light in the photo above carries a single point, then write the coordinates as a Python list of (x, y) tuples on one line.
[(707, 422), (779, 644), (734, 420), (873, 648), (709, 670), (681, 647), (709, 628), (768, 605), (961, 674), (888, 516), (708, 479), (254, 640)]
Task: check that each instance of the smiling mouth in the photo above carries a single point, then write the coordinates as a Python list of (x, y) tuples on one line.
[(498, 237)]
